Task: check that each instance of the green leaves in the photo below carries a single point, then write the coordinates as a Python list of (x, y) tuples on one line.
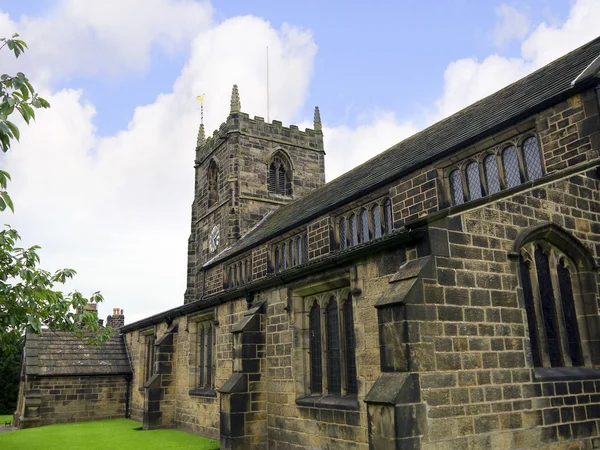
[(16, 45)]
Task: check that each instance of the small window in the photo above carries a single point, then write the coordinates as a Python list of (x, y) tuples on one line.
[(533, 161), (247, 271), (353, 229), (376, 214), (510, 161), (492, 176), (456, 188), (474, 181), (284, 256), (387, 216), (229, 278), (364, 226), (276, 258), (149, 357), (342, 233), (292, 254)]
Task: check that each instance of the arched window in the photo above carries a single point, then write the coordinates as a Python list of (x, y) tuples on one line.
[(474, 181), (314, 338), (533, 160), (387, 216), (492, 176), (555, 272), (456, 188), (213, 183), (247, 271), (353, 230), (376, 214), (510, 161), (364, 226), (276, 258), (280, 175), (235, 275), (334, 367), (342, 233), (229, 278)]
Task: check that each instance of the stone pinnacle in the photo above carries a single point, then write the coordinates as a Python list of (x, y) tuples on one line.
[(201, 136), (317, 125), (236, 106)]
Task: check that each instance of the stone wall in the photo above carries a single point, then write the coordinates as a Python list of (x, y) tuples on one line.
[(74, 399)]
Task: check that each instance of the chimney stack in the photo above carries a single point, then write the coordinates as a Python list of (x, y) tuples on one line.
[(117, 320)]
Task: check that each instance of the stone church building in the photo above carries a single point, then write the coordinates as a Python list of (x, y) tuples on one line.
[(442, 295)]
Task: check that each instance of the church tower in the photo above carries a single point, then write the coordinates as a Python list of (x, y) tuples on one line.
[(245, 170)]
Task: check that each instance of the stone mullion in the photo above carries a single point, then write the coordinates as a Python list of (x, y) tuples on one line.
[(560, 319), (539, 317), (501, 172), (521, 159)]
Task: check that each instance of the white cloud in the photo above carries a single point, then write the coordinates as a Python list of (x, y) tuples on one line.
[(117, 208), (511, 25)]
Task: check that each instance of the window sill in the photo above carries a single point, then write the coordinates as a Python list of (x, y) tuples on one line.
[(565, 373), (349, 402), (203, 392)]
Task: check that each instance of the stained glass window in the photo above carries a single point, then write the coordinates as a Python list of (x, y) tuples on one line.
[(316, 364), (364, 226), (492, 176), (334, 369), (456, 187), (376, 213), (387, 216), (533, 161), (510, 161), (352, 387)]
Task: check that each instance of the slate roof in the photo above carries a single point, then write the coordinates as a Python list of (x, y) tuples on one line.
[(59, 354), (512, 103)]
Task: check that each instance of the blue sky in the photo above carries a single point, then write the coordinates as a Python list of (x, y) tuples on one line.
[(103, 180)]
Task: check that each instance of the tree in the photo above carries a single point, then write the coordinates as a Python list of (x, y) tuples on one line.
[(10, 371), (28, 300)]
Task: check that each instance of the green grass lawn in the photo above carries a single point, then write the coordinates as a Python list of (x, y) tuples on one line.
[(5, 418), (102, 434)]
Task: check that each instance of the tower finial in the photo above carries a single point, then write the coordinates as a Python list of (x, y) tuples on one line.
[(236, 106), (201, 135), (317, 125)]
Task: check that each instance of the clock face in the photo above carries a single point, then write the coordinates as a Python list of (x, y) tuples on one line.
[(213, 239)]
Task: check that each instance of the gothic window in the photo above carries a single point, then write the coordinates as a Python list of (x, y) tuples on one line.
[(149, 356), (205, 354), (284, 256), (456, 187), (474, 181), (292, 254), (550, 277), (247, 272), (331, 344), (353, 230), (280, 175), (387, 216), (532, 157), (376, 214), (202, 355), (510, 160), (342, 233), (364, 226), (276, 258), (213, 183), (492, 176)]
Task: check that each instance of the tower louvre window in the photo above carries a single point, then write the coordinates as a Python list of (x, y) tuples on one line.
[(213, 184), (280, 175)]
